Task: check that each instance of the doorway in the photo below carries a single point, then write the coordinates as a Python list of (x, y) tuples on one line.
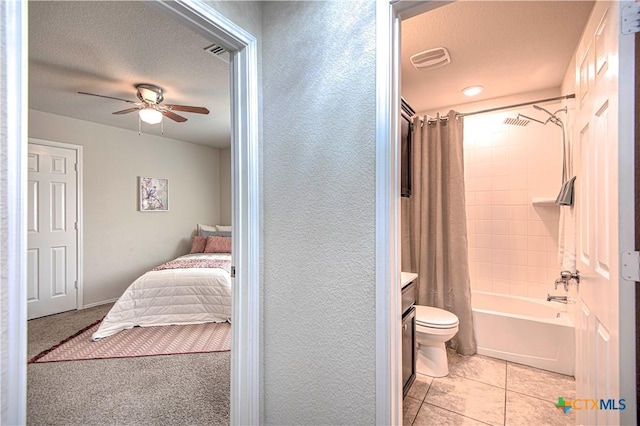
[(245, 368), (407, 9)]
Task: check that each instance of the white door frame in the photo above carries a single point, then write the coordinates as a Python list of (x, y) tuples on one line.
[(79, 217), (388, 379), (388, 311), (245, 346), (245, 324), (13, 235)]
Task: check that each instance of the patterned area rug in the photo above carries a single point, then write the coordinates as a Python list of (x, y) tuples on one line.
[(141, 341)]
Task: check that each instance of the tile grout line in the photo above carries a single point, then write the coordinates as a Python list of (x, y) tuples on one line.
[(422, 401), (477, 381), (458, 414), (531, 396), (506, 369)]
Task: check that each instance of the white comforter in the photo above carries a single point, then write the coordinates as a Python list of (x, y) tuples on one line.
[(172, 296)]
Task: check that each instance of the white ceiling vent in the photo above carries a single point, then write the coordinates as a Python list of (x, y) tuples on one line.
[(431, 59), (218, 52)]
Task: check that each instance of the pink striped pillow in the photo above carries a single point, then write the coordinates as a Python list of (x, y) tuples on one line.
[(198, 244), (218, 245)]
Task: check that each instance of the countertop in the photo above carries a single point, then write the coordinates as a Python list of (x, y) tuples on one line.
[(407, 277)]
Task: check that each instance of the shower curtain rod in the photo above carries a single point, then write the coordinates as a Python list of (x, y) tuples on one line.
[(558, 98), (465, 114)]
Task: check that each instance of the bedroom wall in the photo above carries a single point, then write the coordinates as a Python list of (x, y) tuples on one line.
[(225, 187), (247, 15), (120, 242), (319, 212)]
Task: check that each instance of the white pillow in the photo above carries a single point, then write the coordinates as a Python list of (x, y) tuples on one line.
[(206, 230), (222, 228)]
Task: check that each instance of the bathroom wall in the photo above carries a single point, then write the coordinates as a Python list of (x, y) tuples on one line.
[(513, 243)]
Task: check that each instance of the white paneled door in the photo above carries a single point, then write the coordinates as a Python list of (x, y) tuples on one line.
[(602, 234), (52, 255)]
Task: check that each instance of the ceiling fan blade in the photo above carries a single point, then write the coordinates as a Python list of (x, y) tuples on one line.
[(108, 97), (174, 117), (186, 108), (126, 111)]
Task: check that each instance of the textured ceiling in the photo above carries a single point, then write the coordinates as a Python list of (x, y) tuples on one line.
[(107, 48), (509, 47)]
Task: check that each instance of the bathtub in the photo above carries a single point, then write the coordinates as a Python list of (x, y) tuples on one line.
[(523, 330)]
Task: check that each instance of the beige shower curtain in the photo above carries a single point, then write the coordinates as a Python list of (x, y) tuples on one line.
[(434, 225)]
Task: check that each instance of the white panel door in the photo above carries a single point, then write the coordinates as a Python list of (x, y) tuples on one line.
[(598, 187), (51, 225)]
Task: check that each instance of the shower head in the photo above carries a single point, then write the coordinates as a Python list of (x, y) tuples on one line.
[(515, 121), (552, 117), (531, 118), (539, 108)]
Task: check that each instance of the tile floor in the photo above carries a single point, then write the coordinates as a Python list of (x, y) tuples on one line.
[(483, 390)]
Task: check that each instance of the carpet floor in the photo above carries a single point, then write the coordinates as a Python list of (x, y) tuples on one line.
[(186, 389)]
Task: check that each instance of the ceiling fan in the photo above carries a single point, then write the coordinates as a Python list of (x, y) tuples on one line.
[(150, 108)]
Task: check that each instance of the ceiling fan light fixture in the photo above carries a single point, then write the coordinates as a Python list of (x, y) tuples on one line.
[(150, 115)]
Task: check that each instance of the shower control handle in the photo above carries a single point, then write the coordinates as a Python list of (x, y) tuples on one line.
[(568, 275)]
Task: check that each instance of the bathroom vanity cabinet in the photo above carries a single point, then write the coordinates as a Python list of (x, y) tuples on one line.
[(408, 331)]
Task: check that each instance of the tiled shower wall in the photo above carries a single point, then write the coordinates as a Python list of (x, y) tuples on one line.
[(513, 243)]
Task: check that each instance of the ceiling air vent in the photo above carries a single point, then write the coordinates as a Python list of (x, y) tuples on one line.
[(431, 59), (218, 52)]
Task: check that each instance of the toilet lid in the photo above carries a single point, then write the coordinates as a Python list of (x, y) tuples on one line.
[(429, 316)]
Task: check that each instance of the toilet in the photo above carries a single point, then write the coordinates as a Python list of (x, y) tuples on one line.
[(434, 327)]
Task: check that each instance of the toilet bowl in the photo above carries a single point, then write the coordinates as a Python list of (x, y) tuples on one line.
[(434, 327)]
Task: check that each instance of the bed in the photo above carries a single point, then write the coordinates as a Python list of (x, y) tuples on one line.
[(191, 289)]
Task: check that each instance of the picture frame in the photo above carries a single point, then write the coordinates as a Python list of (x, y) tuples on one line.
[(153, 194)]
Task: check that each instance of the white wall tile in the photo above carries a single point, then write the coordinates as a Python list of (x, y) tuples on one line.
[(536, 243), (518, 227), (501, 286), (518, 242), (499, 183), (518, 197), (518, 182), (518, 288), (518, 212), (500, 138), (500, 242), (500, 257), (484, 255), (484, 270), (483, 240), (518, 257), (518, 273), (517, 167), (484, 213), (483, 226), (500, 227), (537, 258), (500, 212), (513, 245), (536, 228)]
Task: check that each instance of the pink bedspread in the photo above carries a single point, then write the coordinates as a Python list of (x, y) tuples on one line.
[(181, 263)]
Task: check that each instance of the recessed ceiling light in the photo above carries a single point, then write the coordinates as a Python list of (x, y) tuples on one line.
[(472, 90)]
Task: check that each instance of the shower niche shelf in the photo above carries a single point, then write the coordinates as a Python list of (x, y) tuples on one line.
[(543, 201)]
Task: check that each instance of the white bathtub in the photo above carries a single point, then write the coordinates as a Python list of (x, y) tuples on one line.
[(527, 331)]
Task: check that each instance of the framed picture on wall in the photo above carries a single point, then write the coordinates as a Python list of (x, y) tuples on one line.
[(154, 194)]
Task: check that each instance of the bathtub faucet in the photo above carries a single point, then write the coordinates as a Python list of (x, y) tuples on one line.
[(561, 299), (564, 282)]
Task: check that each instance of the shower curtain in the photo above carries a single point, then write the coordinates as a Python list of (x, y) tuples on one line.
[(434, 226)]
